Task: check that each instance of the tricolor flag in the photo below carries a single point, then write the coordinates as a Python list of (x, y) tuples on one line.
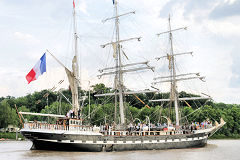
[(37, 70), (73, 4)]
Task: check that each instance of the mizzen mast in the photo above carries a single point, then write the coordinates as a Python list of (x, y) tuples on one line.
[(75, 66), (73, 76)]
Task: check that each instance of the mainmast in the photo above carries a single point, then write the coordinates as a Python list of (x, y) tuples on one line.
[(119, 68)]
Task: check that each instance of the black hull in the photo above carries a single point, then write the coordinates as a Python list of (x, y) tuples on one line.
[(96, 143), (56, 146)]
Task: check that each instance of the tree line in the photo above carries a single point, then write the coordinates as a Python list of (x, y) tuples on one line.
[(102, 109)]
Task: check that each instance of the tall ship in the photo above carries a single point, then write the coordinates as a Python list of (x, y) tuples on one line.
[(72, 133)]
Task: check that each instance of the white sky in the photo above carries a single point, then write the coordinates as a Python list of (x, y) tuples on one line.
[(29, 27)]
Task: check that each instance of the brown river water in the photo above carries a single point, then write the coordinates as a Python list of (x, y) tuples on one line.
[(214, 150)]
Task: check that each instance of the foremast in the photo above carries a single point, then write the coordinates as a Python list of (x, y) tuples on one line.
[(173, 93), (173, 78), (118, 77)]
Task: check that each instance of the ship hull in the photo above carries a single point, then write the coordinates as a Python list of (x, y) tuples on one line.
[(97, 143)]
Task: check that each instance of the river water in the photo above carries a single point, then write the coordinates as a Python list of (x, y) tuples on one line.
[(215, 150)]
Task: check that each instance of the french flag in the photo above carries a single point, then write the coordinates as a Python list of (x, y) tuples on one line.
[(73, 4), (37, 70)]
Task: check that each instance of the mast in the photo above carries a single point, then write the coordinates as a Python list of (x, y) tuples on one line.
[(73, 76), (173, 93), (75, 66), (174, 78), (89, 102), (116, 62), (119, 70)]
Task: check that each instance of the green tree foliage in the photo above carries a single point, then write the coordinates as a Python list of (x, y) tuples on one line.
[(100, 88), (7, 114), (101, 113), (102, 109), (56, 108)]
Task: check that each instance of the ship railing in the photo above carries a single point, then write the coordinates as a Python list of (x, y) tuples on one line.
[(80, 128), (140, 133), (46, 126), (155, 133)]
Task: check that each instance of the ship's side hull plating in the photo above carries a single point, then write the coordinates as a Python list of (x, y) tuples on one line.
[(97, 143)]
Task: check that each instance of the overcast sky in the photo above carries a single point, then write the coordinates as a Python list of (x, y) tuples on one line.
[(29, 27)]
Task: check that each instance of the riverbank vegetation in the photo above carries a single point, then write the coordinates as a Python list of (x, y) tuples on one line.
[(10, 135), (102, 109)]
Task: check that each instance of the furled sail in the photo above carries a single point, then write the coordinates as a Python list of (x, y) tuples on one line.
[(73, 82)]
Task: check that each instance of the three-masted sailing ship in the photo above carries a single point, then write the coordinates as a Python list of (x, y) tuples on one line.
[(72, 134)]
